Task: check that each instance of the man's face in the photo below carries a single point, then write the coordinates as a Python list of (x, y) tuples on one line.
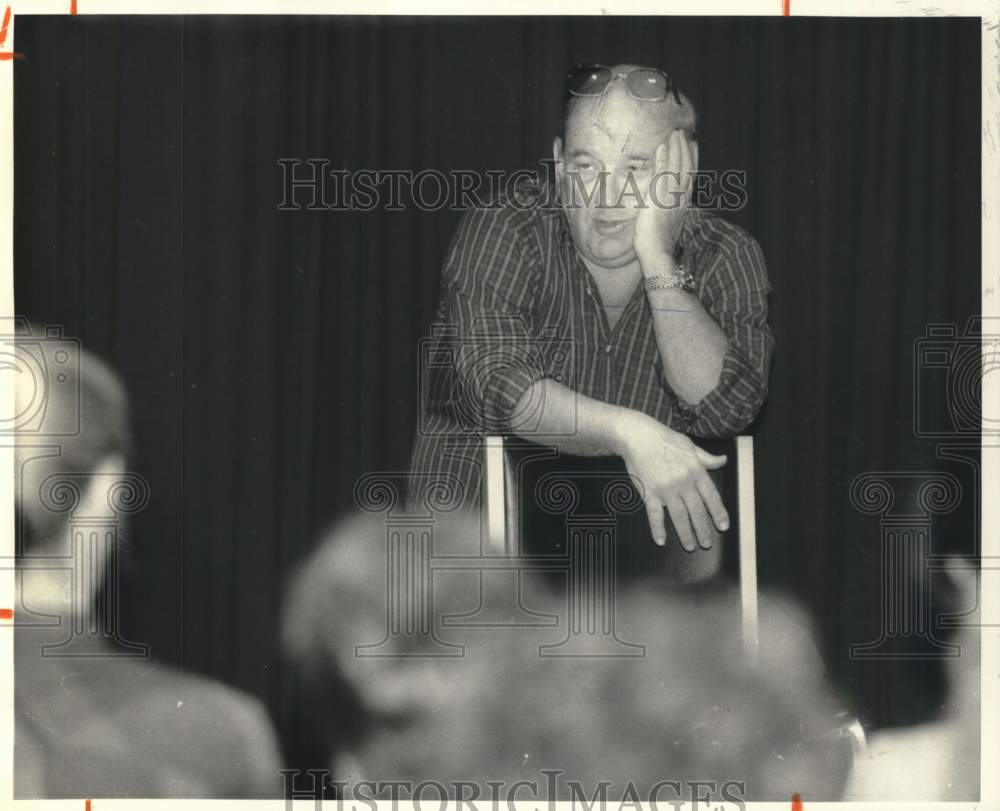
[(604, 166)]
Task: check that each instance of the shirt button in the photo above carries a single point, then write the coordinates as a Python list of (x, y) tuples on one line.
[(607, 349)]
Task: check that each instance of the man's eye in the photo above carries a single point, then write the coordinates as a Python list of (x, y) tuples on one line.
[(638, 167), (584, 167)]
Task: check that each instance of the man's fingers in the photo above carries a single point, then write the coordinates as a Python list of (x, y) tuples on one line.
[(703, 528), (685, 160), (693, 148), (708, 460), (679, 516), (689, 169), (654, 509), (673, 155), (660, 157), (713, 501), (654, 192)]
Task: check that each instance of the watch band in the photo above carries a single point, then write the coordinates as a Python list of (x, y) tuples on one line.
[(679, 277)]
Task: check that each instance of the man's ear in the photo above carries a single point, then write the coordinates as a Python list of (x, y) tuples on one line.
[(100, 480), (557, 158)]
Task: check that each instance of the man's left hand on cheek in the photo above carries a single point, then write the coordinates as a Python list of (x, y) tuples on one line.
[(658, 224)]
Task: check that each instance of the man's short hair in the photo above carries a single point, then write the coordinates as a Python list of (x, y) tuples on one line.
[(689, 708)]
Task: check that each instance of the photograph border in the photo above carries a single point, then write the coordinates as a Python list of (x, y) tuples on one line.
[(990, 281)]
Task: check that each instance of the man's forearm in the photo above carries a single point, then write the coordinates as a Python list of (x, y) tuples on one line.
[(668, 469), (550, 413), (691, 345)]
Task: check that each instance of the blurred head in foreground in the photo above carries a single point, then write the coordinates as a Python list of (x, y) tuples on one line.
[(72, 445), (690, 709), (94, 715)]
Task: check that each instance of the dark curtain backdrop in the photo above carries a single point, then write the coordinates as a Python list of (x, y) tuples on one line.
[(272, 355)]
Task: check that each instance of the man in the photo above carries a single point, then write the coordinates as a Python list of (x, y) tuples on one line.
[(619, 320), (90, 722)]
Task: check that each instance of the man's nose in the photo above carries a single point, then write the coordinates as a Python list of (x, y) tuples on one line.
[(611, 190)]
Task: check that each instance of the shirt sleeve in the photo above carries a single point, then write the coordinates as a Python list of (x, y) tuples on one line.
[(489, 285), (735, 294)]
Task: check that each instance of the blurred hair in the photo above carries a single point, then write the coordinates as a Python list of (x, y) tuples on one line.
[(104, 431), (104, 409), (690, 708)]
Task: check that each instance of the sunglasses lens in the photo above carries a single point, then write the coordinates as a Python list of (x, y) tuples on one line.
[(588, 80), (648, 84)]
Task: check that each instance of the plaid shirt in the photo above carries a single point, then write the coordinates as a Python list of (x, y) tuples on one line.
[(518, 304)]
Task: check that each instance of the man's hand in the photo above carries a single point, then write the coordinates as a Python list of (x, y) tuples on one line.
[(658, 224), (671, 470)]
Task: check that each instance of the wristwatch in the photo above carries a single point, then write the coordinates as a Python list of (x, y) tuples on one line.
[(679, 277)]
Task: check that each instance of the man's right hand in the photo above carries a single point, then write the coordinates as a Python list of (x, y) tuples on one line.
[(672, 472)]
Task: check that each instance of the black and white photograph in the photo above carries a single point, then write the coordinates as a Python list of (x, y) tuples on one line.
[(591, 405)]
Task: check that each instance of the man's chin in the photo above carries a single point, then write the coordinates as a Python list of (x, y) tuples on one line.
[(612, 255)]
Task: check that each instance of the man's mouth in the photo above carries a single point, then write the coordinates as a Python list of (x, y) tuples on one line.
[(610, 227)]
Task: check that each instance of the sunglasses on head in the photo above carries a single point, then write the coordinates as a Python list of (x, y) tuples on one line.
[(644, 84)]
